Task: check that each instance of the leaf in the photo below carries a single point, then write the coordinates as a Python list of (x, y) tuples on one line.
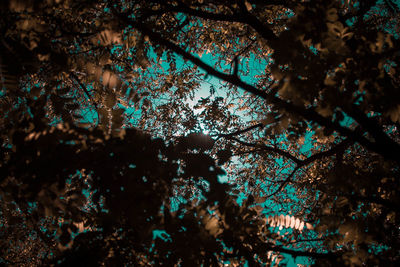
[(394, 114), (260, 199), (110, 100), (248, 6), (268, 120), (224, 156), (117, 118), (331, 15), (212, 226), (106, 78), (114, 82)]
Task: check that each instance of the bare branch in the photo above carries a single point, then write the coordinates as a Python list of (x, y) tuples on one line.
[(259, 125), (285, 182), (334, 150), (387, 148), (73, 75), (270, 149)]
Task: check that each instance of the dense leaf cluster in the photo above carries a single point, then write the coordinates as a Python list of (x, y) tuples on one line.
[(104, 158)]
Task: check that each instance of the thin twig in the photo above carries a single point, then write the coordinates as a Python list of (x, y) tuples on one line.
[(87, 93)]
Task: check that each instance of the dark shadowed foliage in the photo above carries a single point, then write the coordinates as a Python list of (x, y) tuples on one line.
[(199, 133)]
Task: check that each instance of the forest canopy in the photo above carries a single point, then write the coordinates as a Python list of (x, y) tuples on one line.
[(199, 133)]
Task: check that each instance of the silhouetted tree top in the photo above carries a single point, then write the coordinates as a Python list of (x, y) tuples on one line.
[(104, 156)]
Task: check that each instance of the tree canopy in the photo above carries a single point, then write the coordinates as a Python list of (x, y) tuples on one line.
[(199, 132)]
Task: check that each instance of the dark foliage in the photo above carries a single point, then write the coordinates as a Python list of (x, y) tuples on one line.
[(102, 159)]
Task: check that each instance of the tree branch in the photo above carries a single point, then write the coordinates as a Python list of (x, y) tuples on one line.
[(259, 125), (86, 92), (334, 150), (389, 151), (285, 182), (270, 149), (296, 253)]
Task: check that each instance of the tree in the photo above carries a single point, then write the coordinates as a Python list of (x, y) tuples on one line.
[(98, 132)]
